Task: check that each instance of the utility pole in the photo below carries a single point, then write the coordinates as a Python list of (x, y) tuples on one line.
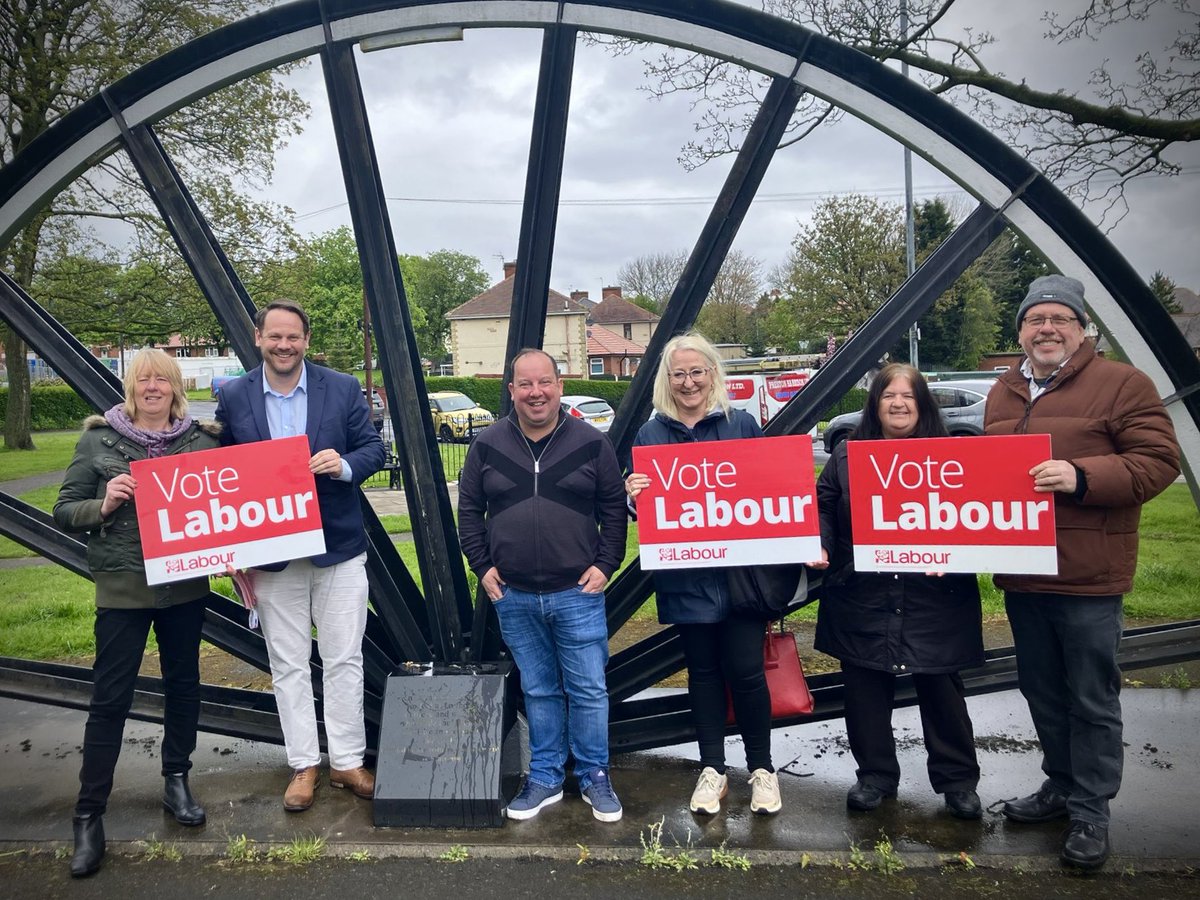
[(910, 240)]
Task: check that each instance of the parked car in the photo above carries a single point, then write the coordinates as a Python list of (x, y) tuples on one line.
[(218, 380), (456, 416), (377, 408), (960, 402), (592, 410)]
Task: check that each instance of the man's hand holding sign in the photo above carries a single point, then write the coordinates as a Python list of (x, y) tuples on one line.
[(242, 506)]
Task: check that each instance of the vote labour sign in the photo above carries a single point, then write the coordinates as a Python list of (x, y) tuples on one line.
[(727, 503), (239, 506), (951, 505)]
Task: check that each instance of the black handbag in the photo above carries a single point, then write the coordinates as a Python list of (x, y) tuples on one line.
[(767, 591)]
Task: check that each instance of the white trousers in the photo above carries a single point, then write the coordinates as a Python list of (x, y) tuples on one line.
[(334, 601)]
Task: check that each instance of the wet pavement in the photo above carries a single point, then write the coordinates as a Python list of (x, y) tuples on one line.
[(1155, 826)]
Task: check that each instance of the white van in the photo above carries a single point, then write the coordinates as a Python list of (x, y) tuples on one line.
[(763, 395)]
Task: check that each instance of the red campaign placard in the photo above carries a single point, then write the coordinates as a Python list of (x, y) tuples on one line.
[(727, 503), (239, 506), (951, 505)]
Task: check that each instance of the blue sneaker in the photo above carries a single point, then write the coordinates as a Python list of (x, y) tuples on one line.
[(599, 795), (532, 798)]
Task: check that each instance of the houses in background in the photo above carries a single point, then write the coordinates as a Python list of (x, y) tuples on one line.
[(589, 339)]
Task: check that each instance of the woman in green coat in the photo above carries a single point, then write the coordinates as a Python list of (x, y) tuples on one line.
[(97, 497)]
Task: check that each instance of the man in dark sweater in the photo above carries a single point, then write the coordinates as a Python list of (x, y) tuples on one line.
[(534, 488)]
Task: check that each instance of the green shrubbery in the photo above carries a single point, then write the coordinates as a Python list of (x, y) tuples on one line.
[(52, 407), (486, 391)]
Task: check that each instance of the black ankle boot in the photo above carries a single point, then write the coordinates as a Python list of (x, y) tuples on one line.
[(89, 844), (179, 802)]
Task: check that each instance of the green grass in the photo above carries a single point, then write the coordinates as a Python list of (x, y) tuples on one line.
[(48, 612), (53, 453), (396, 524)]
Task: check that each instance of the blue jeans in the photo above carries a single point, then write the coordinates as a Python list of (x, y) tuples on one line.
[(1067, 670), (559, 642)]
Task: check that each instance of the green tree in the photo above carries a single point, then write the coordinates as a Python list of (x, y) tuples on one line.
[(330, 275), (436, 284), (841, 267), (1164, 289), (962, 324), (1008, 267), (56, 53)]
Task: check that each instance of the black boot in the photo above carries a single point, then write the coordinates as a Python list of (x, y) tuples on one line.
[(179, 802), (89, 844)]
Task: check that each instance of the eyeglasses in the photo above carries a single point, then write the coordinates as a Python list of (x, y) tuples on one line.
[(1056, 321), (680, 376)]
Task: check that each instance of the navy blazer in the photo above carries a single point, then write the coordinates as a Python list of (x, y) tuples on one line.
[(338, 419)]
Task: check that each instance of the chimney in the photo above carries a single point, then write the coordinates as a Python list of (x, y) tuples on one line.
[(579, 295), (510, 269), (610, 292)]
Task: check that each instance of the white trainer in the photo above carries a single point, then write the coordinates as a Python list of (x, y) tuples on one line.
[(710, 789), (764, 792)]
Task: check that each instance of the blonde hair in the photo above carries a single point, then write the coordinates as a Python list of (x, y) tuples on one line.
[(156, 362), (718, 397)]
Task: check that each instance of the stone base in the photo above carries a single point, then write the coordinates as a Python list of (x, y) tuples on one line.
[(445, 757)]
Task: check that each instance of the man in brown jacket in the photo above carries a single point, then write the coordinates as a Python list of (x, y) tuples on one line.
[(1114, 448)]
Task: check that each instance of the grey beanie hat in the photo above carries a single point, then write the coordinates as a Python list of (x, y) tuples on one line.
[(1054, 289)]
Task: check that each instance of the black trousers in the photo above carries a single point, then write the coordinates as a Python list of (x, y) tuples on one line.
[(1067, 669), (949, 738), (120, 643), (728, 653)]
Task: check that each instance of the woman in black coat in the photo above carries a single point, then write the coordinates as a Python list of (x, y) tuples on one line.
[(883, 625)]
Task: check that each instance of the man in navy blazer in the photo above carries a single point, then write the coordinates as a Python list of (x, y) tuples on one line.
[(286, 396)]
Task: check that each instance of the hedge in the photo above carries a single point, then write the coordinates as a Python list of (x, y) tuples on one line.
[(486, 391), (53, 407)]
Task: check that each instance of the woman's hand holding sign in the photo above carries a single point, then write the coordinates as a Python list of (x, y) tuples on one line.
[(635, 484), (119, 490)]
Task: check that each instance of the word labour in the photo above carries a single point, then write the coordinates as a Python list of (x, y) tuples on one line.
[(715, 511), (939, 511), (219, 517)]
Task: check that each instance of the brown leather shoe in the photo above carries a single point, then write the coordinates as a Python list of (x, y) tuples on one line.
[(358, 780), (299, 794)]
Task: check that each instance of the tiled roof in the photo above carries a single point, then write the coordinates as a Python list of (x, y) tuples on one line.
[(614, 310), (496, 303), (602, 342)]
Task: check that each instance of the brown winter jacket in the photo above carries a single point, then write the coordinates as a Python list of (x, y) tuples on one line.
[(1106, 419)]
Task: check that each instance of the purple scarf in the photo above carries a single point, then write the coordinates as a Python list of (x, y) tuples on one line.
[(155, 442)]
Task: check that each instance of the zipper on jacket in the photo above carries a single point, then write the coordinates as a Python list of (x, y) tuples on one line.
[(537, 460)]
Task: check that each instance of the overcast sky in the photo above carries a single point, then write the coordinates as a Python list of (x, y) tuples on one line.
[(452, 124)]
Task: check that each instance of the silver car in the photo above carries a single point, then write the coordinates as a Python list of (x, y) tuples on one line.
[(960, 402), (592, 410)]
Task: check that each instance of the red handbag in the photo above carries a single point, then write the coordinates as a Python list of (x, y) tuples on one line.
[(785, 677)]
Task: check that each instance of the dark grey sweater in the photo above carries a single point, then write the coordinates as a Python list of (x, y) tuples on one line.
[(537, 523)]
